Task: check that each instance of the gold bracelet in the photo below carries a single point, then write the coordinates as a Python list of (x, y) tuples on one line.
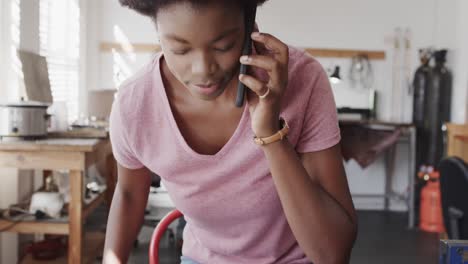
[(276, 137)]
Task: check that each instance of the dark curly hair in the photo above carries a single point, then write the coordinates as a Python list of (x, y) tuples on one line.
[(150, 7)]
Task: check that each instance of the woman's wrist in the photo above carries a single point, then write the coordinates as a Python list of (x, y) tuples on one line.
[(267, 132), (270, 130)]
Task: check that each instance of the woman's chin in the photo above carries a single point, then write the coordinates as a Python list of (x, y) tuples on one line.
[(207, 94)]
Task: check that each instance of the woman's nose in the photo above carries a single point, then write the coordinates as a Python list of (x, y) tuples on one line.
[(203, 65)]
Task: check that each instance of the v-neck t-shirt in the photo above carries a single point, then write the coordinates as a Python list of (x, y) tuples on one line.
[(229, 199)]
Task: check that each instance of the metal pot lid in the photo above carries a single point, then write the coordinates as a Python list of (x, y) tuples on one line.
[(27, 104)]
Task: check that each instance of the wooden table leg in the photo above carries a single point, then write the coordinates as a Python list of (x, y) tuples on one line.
[(389, 174), (412, 175), (75, 244)]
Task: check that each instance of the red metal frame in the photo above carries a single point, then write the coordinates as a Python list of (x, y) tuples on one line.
[(159, 232)]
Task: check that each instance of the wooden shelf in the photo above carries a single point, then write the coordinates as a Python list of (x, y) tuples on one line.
[(343, 53), (130, 48), (53, 144), (457, 140), (76, 156), (93, 245), (80, 133), (55, 226), (40, 227), (460, 147), (321, 53), (370, 122)]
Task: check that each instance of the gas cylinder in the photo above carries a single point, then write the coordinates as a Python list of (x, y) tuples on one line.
[(438, 107), (421, 82), (431, 205)]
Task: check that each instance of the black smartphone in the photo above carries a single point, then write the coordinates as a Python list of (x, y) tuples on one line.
[(250, 14)]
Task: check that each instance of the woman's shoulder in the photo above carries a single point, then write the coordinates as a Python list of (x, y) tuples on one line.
[(306, 78), (136, 89), (302, 62), (141, 79), (305, 73), (137, 93)]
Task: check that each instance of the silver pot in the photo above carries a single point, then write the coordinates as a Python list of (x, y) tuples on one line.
[(23, 119)]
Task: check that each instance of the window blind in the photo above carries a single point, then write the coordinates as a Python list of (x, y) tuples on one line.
[(59, 38)]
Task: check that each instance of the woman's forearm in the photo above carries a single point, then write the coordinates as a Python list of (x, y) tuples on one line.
[(323, 228), (125, 220)]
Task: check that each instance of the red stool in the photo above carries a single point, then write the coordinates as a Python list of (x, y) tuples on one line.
[(159, 232)]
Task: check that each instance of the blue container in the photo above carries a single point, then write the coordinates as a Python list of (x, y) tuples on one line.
[(453, 252)]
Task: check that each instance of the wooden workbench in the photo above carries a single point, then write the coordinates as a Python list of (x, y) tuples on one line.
[(75, 155), (407, 135), (457, 140)]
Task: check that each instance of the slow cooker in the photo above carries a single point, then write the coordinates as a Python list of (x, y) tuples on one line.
[(24, 119)]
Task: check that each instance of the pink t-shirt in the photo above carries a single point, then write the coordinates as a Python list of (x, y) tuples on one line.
[(229, 200)]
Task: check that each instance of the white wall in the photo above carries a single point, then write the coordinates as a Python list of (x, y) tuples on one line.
[(9, 81), (29, 38), (121, 25), (85, 30), (460, 69), (8, 186), (3, 41)]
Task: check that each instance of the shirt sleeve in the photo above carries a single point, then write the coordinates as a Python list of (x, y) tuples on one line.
[(320, 128), (121, 148)]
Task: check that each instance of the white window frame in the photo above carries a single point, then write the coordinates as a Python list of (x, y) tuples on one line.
[(4, 19), (74, 98), (9, 89)]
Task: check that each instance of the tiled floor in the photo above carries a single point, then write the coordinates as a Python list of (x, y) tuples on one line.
[(383, 238)]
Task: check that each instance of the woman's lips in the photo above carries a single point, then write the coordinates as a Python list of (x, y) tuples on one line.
[(207, 89)]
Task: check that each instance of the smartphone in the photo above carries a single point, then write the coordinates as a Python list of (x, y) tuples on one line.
[(250, 14)]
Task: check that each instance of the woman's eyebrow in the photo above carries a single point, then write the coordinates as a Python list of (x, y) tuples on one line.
[(225, 34), (218, 38), (176, 38)]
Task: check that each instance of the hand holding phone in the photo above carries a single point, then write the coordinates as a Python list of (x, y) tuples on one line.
[(250, 14)]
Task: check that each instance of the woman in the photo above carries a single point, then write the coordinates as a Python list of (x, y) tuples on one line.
[(283, 202)]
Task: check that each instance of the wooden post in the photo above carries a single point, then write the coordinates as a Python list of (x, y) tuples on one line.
[(75, 245)]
